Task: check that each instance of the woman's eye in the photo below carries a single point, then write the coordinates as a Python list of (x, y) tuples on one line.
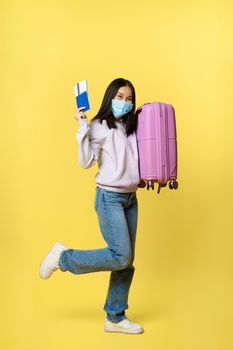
[(129, 99)]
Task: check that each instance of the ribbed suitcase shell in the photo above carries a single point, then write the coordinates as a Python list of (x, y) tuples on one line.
[(157, 143)]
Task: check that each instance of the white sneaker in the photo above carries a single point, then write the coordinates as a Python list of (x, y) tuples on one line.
[(124, 326), (50, 263)]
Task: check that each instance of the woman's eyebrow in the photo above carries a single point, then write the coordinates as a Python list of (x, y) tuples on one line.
[(121, 93)]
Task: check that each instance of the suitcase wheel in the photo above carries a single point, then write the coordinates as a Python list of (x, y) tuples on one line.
[(173, 184), (170, 185), (142, 184)]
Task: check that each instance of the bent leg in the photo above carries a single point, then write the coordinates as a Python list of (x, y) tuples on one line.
[(115, 256)]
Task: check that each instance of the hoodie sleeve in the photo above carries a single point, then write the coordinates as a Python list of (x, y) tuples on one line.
[(89, 146)]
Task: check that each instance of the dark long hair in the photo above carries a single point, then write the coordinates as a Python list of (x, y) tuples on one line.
[(105, 112)]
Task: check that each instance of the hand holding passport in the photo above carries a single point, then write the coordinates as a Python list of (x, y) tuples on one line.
[(81, 94)]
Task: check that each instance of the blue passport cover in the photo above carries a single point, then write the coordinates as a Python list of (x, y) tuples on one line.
[(82, 101)]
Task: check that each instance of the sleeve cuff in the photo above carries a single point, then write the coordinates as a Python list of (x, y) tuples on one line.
[(83, 122)]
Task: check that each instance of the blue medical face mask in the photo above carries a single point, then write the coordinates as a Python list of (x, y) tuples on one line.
[(119, 108)]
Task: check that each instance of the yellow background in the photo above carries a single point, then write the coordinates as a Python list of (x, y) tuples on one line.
[(177, 52)]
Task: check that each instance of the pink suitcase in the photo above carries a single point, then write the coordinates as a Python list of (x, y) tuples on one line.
[(157, 145)]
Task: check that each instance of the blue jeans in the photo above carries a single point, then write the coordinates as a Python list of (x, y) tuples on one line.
[(117, 216)]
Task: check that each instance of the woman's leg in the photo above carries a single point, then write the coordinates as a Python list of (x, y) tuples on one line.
[(114, 228), (117, 297)]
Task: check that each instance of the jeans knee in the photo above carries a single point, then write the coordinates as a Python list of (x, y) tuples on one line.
[(124, 261)]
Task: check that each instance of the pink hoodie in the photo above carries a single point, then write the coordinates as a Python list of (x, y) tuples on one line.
[(117, 155)]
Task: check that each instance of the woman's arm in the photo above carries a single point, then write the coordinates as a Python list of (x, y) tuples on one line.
[(89, 148)]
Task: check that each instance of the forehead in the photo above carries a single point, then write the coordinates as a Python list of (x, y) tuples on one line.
[(125, 90)]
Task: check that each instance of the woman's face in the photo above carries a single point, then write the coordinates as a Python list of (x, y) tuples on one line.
[(124, 94)]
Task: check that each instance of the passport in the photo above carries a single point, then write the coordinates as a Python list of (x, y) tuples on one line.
[(82, 101), (81, 95)]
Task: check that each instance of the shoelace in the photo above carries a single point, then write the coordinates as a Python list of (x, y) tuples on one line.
[(129, 321)]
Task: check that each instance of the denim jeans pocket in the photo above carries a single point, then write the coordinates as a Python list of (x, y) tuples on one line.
[(113, 196), (111, 193)]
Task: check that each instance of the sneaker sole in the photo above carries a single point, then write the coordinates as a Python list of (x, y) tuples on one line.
[(122, 330), (43, 269), (44, 264)]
